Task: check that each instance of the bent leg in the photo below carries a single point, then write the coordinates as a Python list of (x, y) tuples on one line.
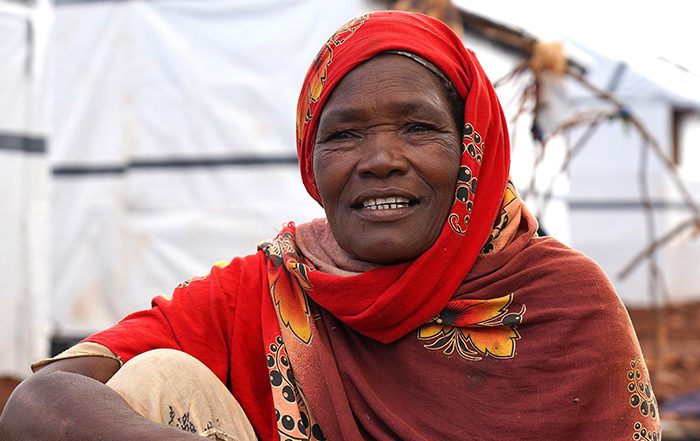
[(175, 389)]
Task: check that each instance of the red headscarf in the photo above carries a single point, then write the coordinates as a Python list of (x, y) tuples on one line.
[(390, 301)]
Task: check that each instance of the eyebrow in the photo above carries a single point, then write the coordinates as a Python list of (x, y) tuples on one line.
[(408, 107)]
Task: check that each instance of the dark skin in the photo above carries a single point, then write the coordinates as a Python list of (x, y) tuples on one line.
[(387, 137), (67, 400), (386, 159)]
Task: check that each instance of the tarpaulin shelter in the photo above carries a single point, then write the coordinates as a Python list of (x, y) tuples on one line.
[(24, 180)]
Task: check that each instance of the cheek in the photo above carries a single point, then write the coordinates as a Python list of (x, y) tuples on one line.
[(443, 180), (442, 171), (330, 179), (446, 192)]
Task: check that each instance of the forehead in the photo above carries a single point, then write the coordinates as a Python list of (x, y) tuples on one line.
[(387, 78)]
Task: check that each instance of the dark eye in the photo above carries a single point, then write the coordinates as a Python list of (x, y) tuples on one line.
[(340, 135), (419, 127)]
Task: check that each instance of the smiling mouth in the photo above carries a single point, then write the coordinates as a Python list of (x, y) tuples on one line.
[(388, 203)]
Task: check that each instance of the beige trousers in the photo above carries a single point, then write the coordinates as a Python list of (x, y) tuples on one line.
[(175, 389)]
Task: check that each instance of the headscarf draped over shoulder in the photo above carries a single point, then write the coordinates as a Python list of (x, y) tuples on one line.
[(387, 302)]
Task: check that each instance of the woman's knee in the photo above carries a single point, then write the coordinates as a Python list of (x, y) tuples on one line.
[(173, 388), (164, 372)]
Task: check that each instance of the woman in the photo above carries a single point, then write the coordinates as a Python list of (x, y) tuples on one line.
[(423, 307)]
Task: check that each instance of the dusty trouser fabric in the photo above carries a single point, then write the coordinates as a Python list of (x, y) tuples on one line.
[(175, 389)]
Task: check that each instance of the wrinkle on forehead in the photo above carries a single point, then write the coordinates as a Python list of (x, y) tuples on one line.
[(387, 79), (441, 94), (423, 62), (406, 108)]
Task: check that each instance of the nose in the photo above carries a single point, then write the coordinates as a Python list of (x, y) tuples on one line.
[(382, 155)]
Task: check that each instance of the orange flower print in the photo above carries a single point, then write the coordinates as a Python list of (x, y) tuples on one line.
[(315, 85), (319, 69), (291, 303), (321, 63), (475, 328), (509, 196), (288, 282)]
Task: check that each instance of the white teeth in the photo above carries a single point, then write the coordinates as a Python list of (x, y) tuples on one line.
[(389, 203)]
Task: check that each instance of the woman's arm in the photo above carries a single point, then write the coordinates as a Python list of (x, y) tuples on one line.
[(67, 400)]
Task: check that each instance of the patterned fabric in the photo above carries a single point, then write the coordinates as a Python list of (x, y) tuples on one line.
[(389, 301), (534, 344), (286, 311)]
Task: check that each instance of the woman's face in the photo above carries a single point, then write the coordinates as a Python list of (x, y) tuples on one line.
[(386, 159)]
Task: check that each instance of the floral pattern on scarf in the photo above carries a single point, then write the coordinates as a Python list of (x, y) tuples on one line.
[(320, 69), (288, 282), (475, 328), (510, 207)]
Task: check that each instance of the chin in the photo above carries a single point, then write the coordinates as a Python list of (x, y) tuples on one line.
[(386, 254), (385, 247)]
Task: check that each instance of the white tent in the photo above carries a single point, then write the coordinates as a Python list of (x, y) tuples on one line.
[(24, 179), (615, 176), (173, 142)]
